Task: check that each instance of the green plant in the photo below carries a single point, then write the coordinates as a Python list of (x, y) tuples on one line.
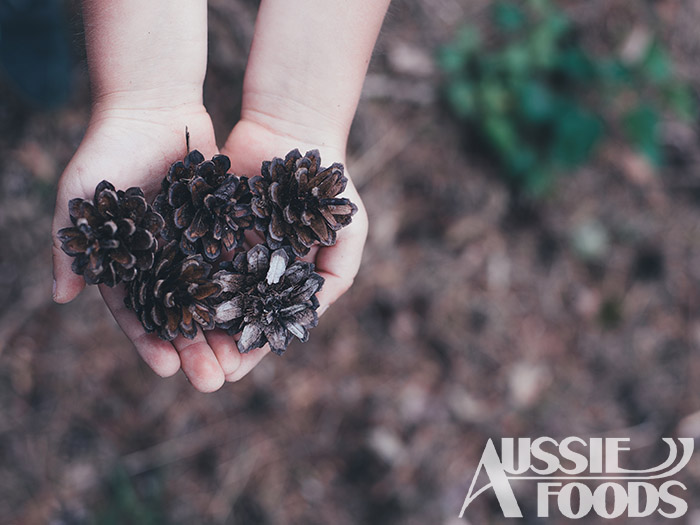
[(124, 503), (540, 103)]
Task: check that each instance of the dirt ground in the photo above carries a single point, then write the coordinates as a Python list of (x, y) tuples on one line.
[(474, 316)]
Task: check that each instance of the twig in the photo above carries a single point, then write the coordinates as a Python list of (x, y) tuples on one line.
[(374, 160), (178, 448), (234, 483)]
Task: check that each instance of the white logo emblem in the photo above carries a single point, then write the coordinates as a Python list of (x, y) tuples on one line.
[(618, 491)]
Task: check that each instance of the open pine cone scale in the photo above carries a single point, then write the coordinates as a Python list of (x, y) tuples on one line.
[(210, 207), (296, 202), (267, 299), (174, 298), (114, 235)]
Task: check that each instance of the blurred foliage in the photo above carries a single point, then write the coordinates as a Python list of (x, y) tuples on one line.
[(125, 504), (541, 103)]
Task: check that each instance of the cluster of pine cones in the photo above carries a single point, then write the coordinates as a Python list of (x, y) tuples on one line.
[(168, 253)]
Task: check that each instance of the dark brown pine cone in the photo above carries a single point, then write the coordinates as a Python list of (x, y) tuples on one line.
[(113, 237), (267, 298), (173, 298), (295, 201), (205, 207)]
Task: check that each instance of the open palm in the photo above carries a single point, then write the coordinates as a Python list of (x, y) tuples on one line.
[(248, 145), (136, 149)]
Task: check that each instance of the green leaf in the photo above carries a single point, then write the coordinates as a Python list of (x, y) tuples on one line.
[(516, 60), (577, 65), (501, 135), (461, 98), (541, 7), (682, 101), (521, 161), (494, 96), (542, 47), (536, 101), (538, 181), (451, 60), (544, 40), (468, 40), (656, 64), (612, 72), (640, 126), (577, 132), (125, 505), (508, 16), (557, 25)]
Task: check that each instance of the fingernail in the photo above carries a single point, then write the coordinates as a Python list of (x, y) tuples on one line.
[(54, 290)]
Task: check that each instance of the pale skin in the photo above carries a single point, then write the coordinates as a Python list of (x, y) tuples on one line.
[(147, 62)]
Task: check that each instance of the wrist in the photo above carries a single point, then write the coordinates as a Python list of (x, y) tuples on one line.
[(165, 98), (306, 82), (295, 123), (130, 109), (260, 142)]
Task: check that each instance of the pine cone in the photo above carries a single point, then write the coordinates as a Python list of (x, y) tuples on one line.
[(174, 297), (205, 207), (294, 201), (113, 237), (267, 298)]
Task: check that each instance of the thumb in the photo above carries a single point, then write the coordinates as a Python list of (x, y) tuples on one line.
[(67, 285)]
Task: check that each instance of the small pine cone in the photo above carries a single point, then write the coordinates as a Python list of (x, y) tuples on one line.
[(174, 297), (113, 237), (267, 298), (295, 201), (204, 206)]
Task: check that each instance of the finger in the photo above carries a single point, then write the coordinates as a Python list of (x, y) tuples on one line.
[(199, 362), (67, 285), (248, 362), (225, 350), (234, 364), (339, 264), (158, 354)]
